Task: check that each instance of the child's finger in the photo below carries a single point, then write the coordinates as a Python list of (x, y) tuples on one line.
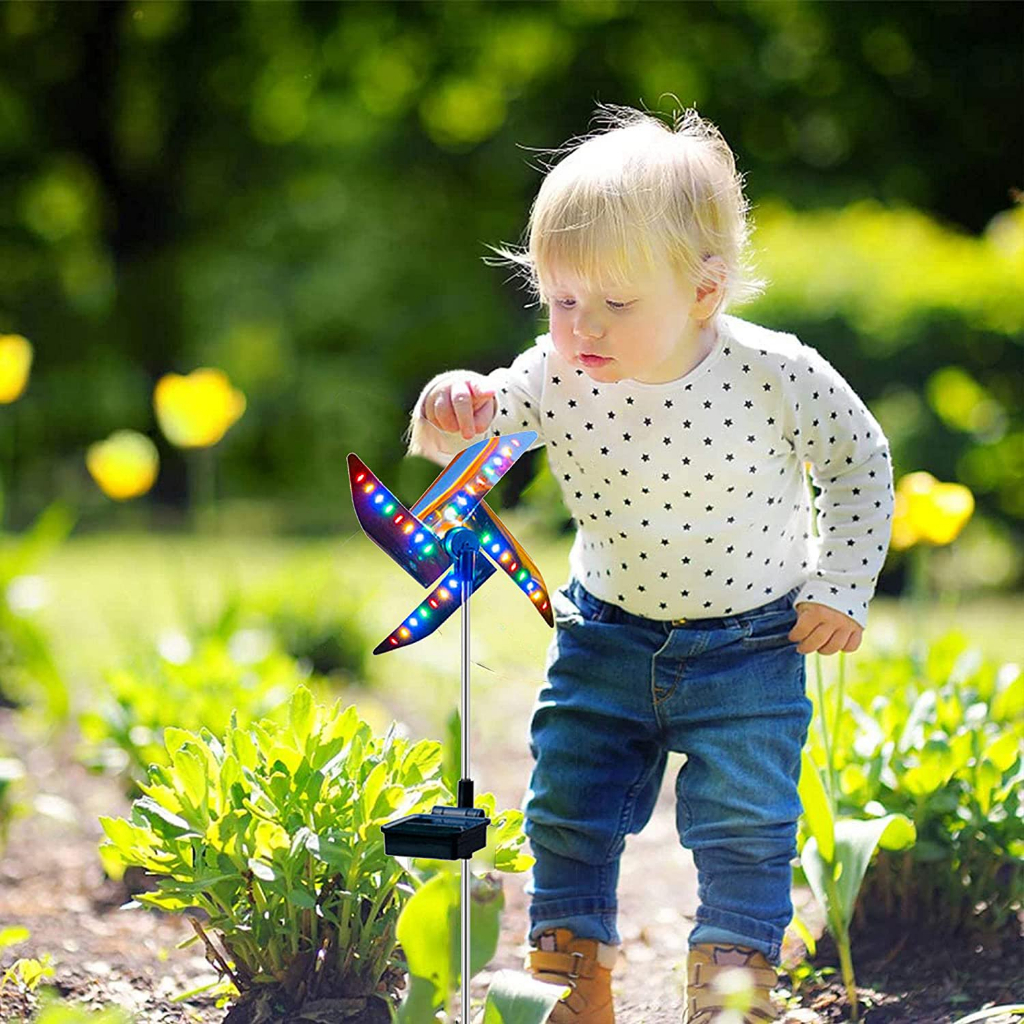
[(462, 403), (443, 413), (815, 639), (481, 393), (483, 414)]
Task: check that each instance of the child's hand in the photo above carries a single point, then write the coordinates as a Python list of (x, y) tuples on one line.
[(465, 405), (823, 629)]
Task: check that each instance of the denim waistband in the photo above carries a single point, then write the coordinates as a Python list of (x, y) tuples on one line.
[(608, 612)]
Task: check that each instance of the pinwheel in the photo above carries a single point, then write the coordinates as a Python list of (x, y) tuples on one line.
[(437, 542), (416, 538)]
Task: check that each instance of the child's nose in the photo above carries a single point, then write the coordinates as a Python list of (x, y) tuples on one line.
[(588, 327)]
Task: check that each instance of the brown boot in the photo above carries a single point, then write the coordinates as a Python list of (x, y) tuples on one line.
[(585, 965), (720, 976)]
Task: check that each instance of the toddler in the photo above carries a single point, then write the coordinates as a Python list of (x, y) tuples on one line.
[(679, 435)]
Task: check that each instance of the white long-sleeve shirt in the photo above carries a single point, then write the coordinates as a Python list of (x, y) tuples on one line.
[(690, 498)]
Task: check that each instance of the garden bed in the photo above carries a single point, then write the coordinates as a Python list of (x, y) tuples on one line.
[(51, 882)]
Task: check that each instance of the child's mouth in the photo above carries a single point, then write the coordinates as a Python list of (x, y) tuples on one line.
[(588, 360)]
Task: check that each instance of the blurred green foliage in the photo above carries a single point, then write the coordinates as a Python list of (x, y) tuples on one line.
[(29, 674), (937, 736), (300, 194)]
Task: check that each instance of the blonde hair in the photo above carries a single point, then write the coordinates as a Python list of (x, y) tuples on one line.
[(632, 194)]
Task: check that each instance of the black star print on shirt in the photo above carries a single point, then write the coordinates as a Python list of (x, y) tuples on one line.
[(783, 405)]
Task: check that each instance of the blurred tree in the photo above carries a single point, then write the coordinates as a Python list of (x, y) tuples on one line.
[(300, 193)]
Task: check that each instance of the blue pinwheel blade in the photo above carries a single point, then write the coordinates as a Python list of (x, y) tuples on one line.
[(393, 528), (435, 608), (465, 481), (497, 542)]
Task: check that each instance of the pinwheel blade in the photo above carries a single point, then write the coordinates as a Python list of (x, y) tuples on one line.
[(465, 481), (435, 608), (497, 542), (393, 528)]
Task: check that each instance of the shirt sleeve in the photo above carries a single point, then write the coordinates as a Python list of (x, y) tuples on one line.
[(833, 430), (517, 391)]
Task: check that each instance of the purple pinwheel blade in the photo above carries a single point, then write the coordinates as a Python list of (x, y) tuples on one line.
[(435, 608), (465, 481), (392, 527)]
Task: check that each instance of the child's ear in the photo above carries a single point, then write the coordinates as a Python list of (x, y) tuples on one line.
[(711, 286)]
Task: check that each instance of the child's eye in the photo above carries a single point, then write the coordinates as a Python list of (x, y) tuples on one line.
[(611, 303)]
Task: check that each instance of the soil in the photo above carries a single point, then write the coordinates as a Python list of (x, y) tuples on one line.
[(51, 882)]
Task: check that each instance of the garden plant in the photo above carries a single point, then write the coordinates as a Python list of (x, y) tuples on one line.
[(270, 839)]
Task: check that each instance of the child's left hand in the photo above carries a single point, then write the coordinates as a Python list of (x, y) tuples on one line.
[(823, 629)]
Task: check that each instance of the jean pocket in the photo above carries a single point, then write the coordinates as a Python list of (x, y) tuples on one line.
[(764, 632), (573, 606)]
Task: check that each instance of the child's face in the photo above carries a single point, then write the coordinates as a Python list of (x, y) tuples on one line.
[(645, 331)]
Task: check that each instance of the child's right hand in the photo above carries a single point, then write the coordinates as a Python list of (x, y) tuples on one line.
[(463, 405)]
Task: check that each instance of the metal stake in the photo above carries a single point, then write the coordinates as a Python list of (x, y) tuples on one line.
[(466, 569)]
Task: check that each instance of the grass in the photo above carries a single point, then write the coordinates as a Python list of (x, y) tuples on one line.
[(106, 589)]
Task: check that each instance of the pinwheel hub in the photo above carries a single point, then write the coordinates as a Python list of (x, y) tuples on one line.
[(461, 541)]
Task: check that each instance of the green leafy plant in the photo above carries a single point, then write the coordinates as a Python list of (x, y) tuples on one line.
[(187, 685), (29, 675), (936, 737), (837, 850), (306, 610), (271, 839), (26, 973)]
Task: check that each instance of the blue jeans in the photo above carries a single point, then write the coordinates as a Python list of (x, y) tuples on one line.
[(621, 692)]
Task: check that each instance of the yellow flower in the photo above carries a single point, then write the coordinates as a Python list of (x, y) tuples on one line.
[(15, 362), (929, 511), (195, 411), (125, 465)]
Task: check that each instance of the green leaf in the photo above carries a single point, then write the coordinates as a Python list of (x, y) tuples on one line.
[(336, 855), (430, 924), (301, 716), (13, 935), (806, 936), (264, 872), (817, 809), (420, 1000), (301, 899), (1008, 703), (191, 774), (855, 842), (164, 822), (986, 778), (371, 790), (175, 738), (516, 998), (899, 834), (1004, 751), (936, 763)]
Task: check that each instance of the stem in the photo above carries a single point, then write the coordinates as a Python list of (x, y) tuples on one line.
[(841, 934), (918, 594), (824, 733), (202, 488), (846, 963), (840, 696), (213, 954), (7, 472)]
